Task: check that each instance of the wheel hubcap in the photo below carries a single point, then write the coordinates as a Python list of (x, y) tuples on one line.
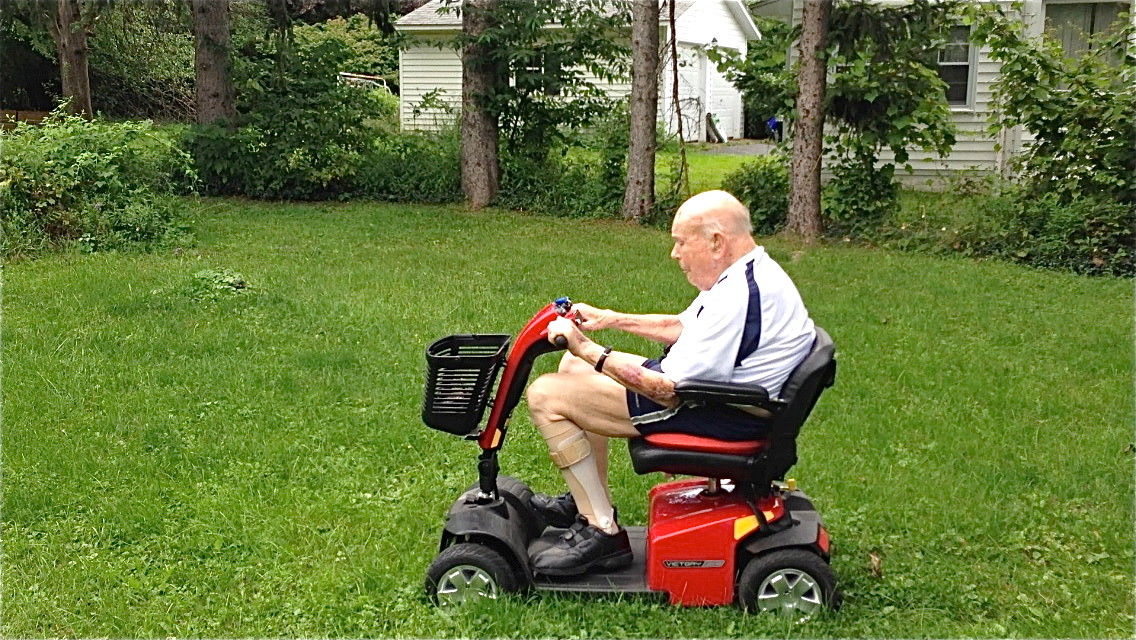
[(791, 593), (466, 583)]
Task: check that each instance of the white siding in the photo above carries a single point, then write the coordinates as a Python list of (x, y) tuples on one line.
[(426, 71), (703, 23)]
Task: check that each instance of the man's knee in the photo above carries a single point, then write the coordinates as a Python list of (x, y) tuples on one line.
[(543, 394)]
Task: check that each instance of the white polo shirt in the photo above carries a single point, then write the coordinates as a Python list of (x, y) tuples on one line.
[(751, 327)]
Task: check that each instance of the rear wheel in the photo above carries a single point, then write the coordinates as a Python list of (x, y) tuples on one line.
[(793, 583), (468, 572)]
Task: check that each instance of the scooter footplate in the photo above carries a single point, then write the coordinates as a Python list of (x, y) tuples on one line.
[(631, 579)]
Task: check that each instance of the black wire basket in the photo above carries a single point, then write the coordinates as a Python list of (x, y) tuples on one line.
[(460, 373)]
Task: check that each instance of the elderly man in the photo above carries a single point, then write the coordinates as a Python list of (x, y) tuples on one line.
[(748, 325)]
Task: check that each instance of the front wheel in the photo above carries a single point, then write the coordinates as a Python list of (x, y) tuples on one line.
[(793, 583), (467, 572)]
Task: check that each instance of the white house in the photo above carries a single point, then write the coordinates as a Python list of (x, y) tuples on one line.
[(430, 77), (970, 74)]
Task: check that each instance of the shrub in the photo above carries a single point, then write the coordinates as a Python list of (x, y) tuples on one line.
[(101, 185), (568, 180), (413, 167), (985, 216), (763, 186), (302, 134), (859, 197)]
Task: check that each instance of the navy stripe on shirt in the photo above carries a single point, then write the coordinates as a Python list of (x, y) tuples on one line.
[(751, 335)]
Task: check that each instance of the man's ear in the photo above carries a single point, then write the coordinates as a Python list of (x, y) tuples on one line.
[(717, 243)]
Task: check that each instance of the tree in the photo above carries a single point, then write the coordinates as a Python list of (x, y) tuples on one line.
[(70, 30), (480, 172), (639, 197), (211, 43), (808, 131), (533, 83)]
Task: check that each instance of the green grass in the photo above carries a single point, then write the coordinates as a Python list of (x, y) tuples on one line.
[(185, 460)]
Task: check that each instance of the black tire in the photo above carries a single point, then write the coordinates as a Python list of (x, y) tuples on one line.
[(466, 572), (795, 583)]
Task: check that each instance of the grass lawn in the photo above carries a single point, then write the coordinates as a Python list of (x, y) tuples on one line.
[(180, 459)]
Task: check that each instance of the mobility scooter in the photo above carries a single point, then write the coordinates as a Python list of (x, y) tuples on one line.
[(734, 534)]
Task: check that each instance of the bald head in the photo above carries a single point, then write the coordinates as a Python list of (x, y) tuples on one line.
[(711, 231), (716, 212)]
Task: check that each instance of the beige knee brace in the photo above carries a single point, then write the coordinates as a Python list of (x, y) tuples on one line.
[(571, 452)]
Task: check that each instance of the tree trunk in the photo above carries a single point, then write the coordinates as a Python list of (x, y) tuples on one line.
[(70, 34), (808, 132), (480, 173), (211, 45), (639, 197)]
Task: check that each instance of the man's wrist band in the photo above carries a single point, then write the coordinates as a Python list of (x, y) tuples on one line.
[(603, 359)]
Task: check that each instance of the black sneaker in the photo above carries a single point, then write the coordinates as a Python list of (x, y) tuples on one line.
[(557, 511), (583, 548)]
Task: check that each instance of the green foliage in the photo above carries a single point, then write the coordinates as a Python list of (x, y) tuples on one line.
[(141, 61), (762, 184), (859, 196), (1080, 110), (98, 185), (215, 284), (370, 51), (547, 72), (585, 182), (413, 167), (885, 93), (302, 133), (986, 217)]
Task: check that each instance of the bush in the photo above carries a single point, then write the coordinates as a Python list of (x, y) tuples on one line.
[(302, 134), (763, 186), (859, 197), (99, 185), (985, 216), (570, 181), (413, 167)]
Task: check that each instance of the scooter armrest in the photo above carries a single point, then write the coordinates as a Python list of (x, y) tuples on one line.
[(724, 393)]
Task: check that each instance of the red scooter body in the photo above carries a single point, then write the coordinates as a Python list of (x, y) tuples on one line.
[(692, 539)]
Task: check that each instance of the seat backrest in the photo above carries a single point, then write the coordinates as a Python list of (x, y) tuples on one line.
[(801, 390)]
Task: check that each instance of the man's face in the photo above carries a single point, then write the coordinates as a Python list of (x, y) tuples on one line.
[(695, 254)]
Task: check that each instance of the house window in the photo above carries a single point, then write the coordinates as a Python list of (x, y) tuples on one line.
[(1074, 24), (955, 64), (539, 73)]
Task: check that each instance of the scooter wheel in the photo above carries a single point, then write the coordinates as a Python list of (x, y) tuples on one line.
[(468, 572), (793, 583)]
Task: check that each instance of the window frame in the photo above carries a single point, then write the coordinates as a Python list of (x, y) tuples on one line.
[(971, 63)]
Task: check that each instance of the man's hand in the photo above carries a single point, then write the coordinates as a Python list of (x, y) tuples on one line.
[(593, 319), (568, 329)]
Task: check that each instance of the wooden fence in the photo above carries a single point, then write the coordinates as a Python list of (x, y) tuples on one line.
[(9, 117)]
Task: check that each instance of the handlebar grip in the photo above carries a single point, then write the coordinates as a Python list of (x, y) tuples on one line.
[(560, 341)]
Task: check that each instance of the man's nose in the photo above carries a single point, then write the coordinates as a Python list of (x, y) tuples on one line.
[(674, 252)]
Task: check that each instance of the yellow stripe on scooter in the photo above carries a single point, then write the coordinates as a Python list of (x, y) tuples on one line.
[(744, 526)]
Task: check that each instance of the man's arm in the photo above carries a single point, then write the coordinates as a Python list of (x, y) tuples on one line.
[(625, 368), (660, 328)]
